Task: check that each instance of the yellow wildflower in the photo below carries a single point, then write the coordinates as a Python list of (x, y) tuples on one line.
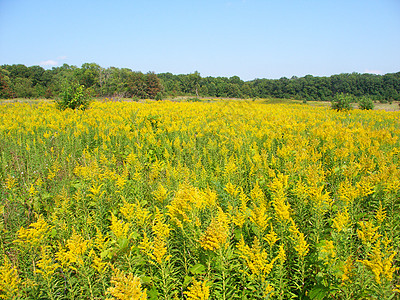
[(259, 216), (186, 199), (380, 214), (126, 287), (98, 264), (327, 252), (159, 248), (161, 193), (34, 234), (268, 291), (347, 269), (368, 233), (216, 233), (119, 228), (281, 255), (256, 257), (231, 189), (271, 237), (301, 246), (278, 186), (73, 253), (46, 264), (32, 191), (198, 291), (160, 228), (381, 264), (11, 182), (147, 246), (340, 222), (257, 194), (9, 280)]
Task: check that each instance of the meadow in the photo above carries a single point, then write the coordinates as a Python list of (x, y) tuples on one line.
[(194, 200)]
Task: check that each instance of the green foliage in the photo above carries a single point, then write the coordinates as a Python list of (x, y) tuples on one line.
[(159, 96), (5, 90), (365, 103), (74, 97), (34, 81), (195, 99), (342, 102)]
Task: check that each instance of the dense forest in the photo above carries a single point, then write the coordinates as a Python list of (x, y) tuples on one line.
[(20, 81)]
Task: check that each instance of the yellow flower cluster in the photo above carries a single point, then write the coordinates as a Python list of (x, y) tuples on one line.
[(9, 280), (256, 258), (126, 287), (198, 291), (217, 232), (34, 234), (381, 263)]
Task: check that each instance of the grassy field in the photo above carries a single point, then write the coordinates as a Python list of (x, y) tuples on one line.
[(199, 200)]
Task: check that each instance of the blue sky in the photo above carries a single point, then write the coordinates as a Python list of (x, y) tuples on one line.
[(247, 38)]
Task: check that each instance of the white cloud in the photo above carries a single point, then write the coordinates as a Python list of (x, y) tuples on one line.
[(378, 72), (49, 62)]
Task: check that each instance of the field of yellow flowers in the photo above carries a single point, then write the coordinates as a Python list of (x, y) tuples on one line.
[(179, 200)]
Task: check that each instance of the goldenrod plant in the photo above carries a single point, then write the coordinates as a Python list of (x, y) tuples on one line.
[(198, 200)]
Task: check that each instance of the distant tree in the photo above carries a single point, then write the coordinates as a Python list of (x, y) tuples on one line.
[(5, 90), (194, 82), (23, 87), (136, 85), (153, 85)]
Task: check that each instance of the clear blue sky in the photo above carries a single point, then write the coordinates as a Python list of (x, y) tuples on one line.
[(247, 38)]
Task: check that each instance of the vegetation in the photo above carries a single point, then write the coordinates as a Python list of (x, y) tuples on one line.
[(74, 97), (33, 82), (365, 103), (342, 102), (195, 200)]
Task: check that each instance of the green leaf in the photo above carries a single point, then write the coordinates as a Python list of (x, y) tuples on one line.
[(53, 233), (319, 292), (187, 280), (197, 269), (146, 279), (153, 293)]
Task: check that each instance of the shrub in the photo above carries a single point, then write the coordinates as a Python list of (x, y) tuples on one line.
[(195, 99), (159, 96), (342, 102), (75, 97), (365, 103)]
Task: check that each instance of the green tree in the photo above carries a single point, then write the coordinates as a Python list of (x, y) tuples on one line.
[(153, 85), (5, 90), (342, 102)]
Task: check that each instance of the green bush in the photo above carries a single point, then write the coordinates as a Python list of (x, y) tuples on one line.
[(365, 103), (159, 96), (75, 97), (195, 99), (342, 102)]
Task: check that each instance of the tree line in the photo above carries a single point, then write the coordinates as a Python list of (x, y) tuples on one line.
[(36, 82)]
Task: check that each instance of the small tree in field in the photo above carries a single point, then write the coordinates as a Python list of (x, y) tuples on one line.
[(75, 97), (365, 103), (342, 102)]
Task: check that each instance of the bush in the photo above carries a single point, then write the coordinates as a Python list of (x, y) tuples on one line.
[(195, 99), (365, 103), (74, 97), (159, 96), (342, 102)]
